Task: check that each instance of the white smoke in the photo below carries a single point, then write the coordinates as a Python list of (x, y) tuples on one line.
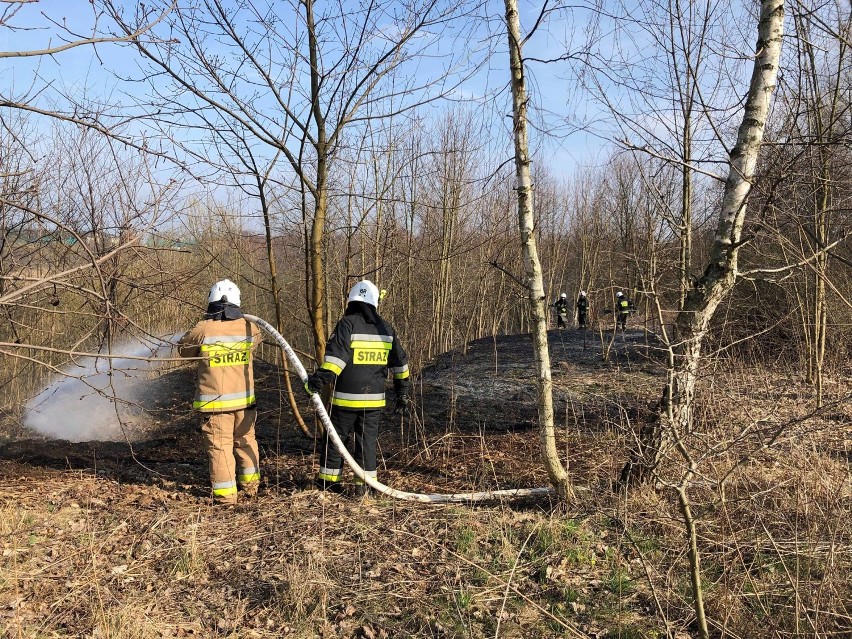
[(96, 399)]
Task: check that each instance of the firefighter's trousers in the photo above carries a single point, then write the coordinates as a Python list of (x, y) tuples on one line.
[(365, 425), (232, 453)]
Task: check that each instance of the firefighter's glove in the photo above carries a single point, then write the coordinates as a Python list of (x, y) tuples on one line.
[(402, 402), (314, 384)]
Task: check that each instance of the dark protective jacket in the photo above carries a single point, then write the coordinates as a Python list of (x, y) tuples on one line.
[(582, 304), (623, 305), (561, 306), (225, 375), (360, 352)]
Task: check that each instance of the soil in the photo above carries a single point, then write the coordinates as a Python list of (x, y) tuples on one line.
[(120, 539)]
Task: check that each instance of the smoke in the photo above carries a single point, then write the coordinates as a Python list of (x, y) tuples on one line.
[(96, 399)]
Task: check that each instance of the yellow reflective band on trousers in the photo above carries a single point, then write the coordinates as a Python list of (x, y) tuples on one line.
[(247, 479), (327, 477), (372, 474), (224, 488), (217, 403), (358, 403)]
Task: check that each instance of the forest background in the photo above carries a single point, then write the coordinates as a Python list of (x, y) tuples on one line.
[(150, 149), (175, 147)]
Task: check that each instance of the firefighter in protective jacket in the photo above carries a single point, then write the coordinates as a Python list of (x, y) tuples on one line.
[(623, 308), (582, 309), (224, 396), (561, 306), (360, 352)]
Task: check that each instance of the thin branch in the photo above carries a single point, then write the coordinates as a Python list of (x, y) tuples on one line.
[(78, 43)]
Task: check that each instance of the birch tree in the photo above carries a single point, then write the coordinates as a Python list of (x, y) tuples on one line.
[(675, 413), (534, 282)]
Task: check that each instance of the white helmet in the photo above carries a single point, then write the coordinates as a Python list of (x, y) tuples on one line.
[(563, 295), (619, 294), (582, 293), (365, 291), (226, 291)]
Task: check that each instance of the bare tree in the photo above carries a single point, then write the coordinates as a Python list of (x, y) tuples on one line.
[(75, 205), (534, 283), (820, 122), (720, 273), (295, 81)]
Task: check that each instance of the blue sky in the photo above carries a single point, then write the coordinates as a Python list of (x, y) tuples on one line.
[(560, 102), (90, 70)]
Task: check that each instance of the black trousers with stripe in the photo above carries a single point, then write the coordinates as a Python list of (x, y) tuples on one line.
[(365, 426)]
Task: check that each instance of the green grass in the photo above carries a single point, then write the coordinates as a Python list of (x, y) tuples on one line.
[(466, 541), (619, 582)]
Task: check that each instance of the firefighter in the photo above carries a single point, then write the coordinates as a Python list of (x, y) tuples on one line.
[(561, 306), (623, 307), (582, 308), (224, 395), (360, 352)]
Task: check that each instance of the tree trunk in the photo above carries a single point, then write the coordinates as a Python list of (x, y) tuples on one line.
[(534, 281), (686, 208), (318, 274), (676, 405), (320, 194), (821, 118), (276, 303)]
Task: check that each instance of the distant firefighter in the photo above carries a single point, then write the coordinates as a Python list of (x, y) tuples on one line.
[(582, 306), (561, 307), (623, 308), (225, 392), (360, 353)]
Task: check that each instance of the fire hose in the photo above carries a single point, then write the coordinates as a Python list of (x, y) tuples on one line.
[(433, 498)]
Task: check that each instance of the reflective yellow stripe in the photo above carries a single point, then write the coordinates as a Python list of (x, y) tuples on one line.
[(223, 492), (226, 346), (369, 337), (245, 479), (358, 403), (326, 477), (370, 356), (334, 368), (372, 474), (402, 375), (226, 404)]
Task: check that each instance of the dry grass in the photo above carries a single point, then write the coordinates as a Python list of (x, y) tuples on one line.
[(119, 551)]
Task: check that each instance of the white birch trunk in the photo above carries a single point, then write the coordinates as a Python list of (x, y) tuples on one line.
[(674, 419), (720, 273), (532, 267)]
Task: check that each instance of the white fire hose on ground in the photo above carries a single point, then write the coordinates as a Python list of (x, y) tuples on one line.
[(433, 498)]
